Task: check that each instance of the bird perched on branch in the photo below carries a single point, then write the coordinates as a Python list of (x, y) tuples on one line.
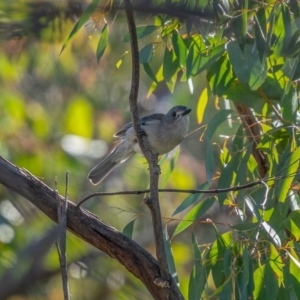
[(164, 132)]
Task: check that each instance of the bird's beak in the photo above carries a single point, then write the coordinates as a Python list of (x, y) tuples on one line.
[(187, 111)]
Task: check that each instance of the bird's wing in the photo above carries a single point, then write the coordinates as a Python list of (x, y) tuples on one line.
[(144, 121), (123, 130)]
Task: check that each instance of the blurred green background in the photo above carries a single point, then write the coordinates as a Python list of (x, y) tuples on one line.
[(58, 113)]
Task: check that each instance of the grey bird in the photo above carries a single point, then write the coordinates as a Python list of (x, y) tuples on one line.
[(164, 132)]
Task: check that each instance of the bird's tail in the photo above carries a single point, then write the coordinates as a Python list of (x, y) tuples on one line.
[(98, 173)]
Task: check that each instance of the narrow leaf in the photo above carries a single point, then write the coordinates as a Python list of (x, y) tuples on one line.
[(171, 166), (170, 258), (102, 43), (150, 73), (85, 16), (128, 229), (216, 121), (272, 233), (141, 32), (194, 214), (191, 199), (289, 169), (146, 54), (201, 106), (179, 48), (198, 274)]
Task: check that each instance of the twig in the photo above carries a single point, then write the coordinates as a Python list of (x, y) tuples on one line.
[(62, 208), (152, 159), (212, 191)]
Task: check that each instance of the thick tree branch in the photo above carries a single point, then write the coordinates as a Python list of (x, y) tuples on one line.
[(152, 158), (88, 227)]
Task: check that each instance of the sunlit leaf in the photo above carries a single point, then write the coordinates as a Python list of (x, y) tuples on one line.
[(201, 105), (276, 263), (289, 169), (292, 223)]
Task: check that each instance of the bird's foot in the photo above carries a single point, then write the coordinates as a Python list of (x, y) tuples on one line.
[(157, 169), (142, 133)]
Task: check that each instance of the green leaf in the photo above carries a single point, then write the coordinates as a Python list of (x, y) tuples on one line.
[(179, 48), (128, 229), (198, 275), (150, 73), (276, 263), (260, 33), (220, 76), (170, 258), (247, 65), (171, 166), (253, 207), (141, 32), (272, 233), (239, 23), (216, 256), (290, 167), (191, 199), (146, 54), (227, 262), (294, 269), (266, 285), (200, 61), (228, 174), (102, 42), (85, 16), (201, 105), (171, 64), (292, 224), (194, 214), (244, 274), (289, 105), (215, 122)]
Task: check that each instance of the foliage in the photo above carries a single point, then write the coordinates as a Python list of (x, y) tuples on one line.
[(249, 53)]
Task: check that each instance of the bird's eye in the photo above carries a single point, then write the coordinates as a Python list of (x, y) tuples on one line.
[(174, 114)]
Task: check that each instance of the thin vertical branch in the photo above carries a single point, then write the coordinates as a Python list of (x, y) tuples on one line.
[(62, 207), (165, 279)]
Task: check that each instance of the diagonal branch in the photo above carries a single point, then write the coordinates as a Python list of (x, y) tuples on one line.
[(87, 227)]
